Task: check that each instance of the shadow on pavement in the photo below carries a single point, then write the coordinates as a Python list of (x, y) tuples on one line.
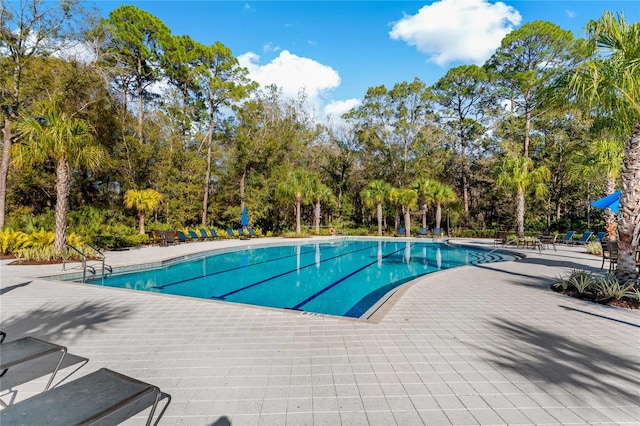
[(544, 356), (51, 324)]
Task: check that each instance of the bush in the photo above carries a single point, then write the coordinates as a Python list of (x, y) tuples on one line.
[(12, 241), (578, 280), (608, 287), (44, 253), (114, 242), (594, 247)]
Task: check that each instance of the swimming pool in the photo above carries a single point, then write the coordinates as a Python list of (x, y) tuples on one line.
[(339, 277)]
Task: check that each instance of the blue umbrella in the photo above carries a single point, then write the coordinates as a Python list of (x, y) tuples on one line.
[(244, 220), (611, 201)]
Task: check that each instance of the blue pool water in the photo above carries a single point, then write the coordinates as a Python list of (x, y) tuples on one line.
[(342, 277)]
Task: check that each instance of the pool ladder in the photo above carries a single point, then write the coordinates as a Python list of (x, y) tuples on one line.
[(85, 266)]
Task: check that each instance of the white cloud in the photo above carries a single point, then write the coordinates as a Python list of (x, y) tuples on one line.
[(292, 74), (337, 108), (457, 30), (570, 14)]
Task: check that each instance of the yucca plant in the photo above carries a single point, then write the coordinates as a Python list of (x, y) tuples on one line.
[(581, 280), (608, 287)]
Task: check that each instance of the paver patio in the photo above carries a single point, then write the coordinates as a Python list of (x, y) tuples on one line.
[(487, 344)]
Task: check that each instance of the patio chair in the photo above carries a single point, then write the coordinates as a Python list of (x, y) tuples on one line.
[(252, 233), (612, 249), (230, 233), (181, 237), (600, 236), (103, 396), (422, 232), (213, 233), (204, 235), (567, 238), (193, 236), (27, 349), (437, 232), (402, 232), (169, 238), (584, 239)]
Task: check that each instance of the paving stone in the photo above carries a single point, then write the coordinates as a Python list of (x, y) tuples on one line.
[(518, 353)]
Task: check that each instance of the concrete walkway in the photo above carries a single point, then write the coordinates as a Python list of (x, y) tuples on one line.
[(487, 344)]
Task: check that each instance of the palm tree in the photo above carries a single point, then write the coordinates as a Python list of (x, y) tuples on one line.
[(516, 173), (442, 194), (297, 187), (408, 198), (50, 134), (320, 193), (374, 194), (425, 189), (601, 161), (608, 84), (142, 200)]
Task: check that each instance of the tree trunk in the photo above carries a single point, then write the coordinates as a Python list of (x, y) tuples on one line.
[(379, 214), (629, 212), (527, 123), (424, 216), (243, 179), (298, 205), (317, 217), (520, 214), (140, 104), (438, 215), (407, 222), (4, 166), (207, 174), (62, 205), (610, 224), (141, 217)]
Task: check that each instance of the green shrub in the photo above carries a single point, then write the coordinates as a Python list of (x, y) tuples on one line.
[(608, 287), (581, 280), (354, 232), (12, 241), (594, 247), (578, 280), (43, 253)]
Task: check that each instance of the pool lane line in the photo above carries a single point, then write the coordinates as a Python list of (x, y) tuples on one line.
[(330, 286), (222, 297), (235, 268)]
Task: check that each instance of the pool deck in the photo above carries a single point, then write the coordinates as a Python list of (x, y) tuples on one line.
[(487, 344)]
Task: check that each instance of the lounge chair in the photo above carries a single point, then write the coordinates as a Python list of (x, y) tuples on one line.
[(230, 233), (251, 232), (169, 238), (437, 232), (567, 238), (27, 349), (584, 239), (181, 237), (600, 236), (103, 396), (214, 234), (402, 232), (204, 235), (194, 236), (422, 232)]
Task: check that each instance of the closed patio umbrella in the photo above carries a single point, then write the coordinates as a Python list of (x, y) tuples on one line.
[(244, 219), (611, 201)]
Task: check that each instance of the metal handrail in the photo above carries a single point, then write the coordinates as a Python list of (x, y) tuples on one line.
[(102, 257), (84, 260)]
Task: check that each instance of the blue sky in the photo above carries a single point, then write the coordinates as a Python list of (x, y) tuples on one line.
[(336, 50)]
